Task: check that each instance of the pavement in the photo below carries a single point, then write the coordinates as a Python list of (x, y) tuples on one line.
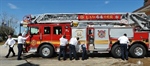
[(94, 60)]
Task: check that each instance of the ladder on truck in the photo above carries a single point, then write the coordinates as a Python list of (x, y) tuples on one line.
[(101, 18), (141, 20)]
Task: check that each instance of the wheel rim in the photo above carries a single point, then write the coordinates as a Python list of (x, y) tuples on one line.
[(138, 51), (46, 51), (118, 51)]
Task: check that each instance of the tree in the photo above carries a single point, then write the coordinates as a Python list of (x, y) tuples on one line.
[(8, 24)]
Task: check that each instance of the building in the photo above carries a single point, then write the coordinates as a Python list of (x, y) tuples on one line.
[(145, 8)]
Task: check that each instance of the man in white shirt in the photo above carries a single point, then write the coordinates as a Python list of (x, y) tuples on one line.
[(124, 44), (63, 43), (11, 43), (72, 49), (21, 41)]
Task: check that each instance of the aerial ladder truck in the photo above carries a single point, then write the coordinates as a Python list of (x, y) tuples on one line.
[(99, 31)]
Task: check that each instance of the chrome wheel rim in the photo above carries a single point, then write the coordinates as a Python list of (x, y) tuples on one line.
[(138, 51), (118, 51), (46, 51)]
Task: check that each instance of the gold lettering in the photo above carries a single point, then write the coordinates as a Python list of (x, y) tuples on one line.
[(91, 17), (86, 17), (107, 16), (111, 17), (94, 17)]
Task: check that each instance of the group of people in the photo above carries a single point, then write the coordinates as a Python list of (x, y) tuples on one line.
[(123, 40), (72, 48), (63, 44), (11, 42)]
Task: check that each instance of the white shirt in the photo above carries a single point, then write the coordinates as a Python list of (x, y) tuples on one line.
[(21, 39), (73, 41), (63, 41), (10, 42), (123, 40)]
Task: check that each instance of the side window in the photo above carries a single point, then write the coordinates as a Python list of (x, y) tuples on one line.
[(57, 30), (90, 31), (46, 30), (34, 30)]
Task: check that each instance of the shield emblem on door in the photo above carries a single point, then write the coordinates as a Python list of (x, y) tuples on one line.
[(101, 33)]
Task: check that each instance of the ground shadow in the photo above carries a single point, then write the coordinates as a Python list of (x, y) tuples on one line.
[(28, 64), (92, 55)]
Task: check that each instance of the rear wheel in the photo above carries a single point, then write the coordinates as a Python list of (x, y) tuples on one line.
[(116, 51), (137, 50), (46, 51)]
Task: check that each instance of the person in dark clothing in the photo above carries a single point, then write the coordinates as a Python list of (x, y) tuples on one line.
[(84, 52), (20, 45), (72, 48), (63, 43), (10, 42), (123, 45)]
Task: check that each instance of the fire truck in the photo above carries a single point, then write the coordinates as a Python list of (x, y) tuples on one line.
[(100, 32)]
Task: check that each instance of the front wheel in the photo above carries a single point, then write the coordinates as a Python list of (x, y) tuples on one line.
[(46, 51), (137, 50), (116, 51)]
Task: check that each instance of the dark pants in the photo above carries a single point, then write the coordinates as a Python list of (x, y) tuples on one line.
[(84, 54), (124, 51), (62, 51), (72, 49), (10, 50), (20, 49)]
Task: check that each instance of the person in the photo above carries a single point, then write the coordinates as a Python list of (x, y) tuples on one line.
[(10, 42), (72, 49), (84, 53), (20, 45), (124, 44), (63, 43)]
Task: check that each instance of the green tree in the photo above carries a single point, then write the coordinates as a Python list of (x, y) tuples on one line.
[(8, 24)]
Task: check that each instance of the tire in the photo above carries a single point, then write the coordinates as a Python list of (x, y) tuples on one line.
[(116, 51), (137, 51), (46, 51)]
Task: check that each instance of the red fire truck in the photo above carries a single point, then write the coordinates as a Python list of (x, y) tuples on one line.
[(99, 31)]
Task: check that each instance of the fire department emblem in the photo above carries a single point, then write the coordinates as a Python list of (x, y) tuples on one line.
[(101, 33), (33, 42), (79, 33)]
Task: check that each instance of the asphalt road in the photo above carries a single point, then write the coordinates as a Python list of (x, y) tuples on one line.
[(94, 60)]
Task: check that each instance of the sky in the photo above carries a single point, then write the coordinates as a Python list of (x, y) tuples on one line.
[(20, 8)]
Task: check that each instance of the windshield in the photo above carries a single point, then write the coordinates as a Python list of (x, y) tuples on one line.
[(26, 29)]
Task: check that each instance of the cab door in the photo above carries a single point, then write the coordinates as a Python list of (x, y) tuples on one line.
[(35, 37), (90, 38), (47, 33), (58, 30)]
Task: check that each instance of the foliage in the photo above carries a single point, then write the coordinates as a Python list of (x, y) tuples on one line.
[(1, 39), (8, 24)]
